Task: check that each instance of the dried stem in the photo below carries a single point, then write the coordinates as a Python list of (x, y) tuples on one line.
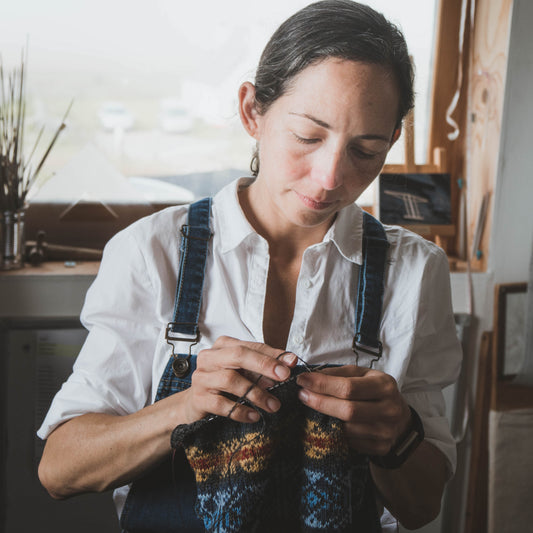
[(17, 175)]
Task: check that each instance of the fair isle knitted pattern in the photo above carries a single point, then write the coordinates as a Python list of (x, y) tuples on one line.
[(291, 471)]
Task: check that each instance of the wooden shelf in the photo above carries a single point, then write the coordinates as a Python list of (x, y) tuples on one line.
[(55, 268), (427, 230)]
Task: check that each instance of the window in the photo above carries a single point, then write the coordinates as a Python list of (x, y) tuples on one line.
[(154, 84)]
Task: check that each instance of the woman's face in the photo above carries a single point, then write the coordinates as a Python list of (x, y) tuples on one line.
[(324, 141)]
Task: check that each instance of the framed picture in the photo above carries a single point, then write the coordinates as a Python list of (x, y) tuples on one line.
[(510, 327), (415, 199)]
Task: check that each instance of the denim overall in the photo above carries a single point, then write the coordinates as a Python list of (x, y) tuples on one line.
[(163, 500)]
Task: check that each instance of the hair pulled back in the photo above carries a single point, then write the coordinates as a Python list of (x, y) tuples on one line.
[(341, 29)]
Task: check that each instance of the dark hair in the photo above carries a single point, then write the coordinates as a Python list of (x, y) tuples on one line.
[(331, 28)]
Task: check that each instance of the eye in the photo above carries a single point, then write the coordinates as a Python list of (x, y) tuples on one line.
[(362, 154), (305, 140)]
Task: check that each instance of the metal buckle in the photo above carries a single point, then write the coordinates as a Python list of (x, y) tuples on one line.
[(181, 365), (358, 347), (170, 335)]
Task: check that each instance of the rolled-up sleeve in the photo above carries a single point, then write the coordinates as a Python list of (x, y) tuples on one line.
[(113, 371), (436, 356)]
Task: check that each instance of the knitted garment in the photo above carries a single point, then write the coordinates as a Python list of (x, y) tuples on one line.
[(291, 471)]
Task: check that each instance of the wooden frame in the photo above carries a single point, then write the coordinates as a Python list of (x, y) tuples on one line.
[(477, 494), (505, 395), (443, 155), (445, 78)]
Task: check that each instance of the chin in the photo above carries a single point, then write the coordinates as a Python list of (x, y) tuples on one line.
[(312, 219)]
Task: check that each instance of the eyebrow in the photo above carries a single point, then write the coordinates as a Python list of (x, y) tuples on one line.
[(321, 123)]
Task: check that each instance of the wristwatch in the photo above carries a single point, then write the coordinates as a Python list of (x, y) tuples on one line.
[(405, 445)]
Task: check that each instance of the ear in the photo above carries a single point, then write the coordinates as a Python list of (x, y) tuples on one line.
[(250, 117), (396, 134)]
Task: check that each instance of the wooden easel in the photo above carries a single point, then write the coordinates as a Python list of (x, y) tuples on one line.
[(440, 234)]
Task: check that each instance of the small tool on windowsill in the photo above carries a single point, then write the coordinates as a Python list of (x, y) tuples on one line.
[(40, 250)]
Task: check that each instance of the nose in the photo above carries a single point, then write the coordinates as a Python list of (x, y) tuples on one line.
[(329, 169)]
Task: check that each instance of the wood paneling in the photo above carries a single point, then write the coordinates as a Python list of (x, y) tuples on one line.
[(474, 155), (490, 41)]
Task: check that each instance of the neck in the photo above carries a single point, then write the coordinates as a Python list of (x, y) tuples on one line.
[(284, 238)]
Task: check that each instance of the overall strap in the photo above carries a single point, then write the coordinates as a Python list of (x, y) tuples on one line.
[(371, 288), (155, 501), (193, 255)]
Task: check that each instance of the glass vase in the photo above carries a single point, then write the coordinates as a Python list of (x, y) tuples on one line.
[(12, 242)]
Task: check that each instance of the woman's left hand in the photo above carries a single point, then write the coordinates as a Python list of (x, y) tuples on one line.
[(368, 401)]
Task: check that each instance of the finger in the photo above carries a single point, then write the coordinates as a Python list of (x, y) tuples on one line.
[(233, 383), (231, 342), (348, 371), (368, 387), (362, 412), (260, 381), (220, 405), (243, 357)]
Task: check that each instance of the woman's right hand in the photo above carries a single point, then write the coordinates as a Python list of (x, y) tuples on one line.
[(231, 367)]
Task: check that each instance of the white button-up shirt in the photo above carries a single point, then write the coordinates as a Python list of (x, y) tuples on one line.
[(131, 301)]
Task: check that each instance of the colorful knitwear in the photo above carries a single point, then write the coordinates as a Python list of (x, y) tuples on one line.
[(291, 471)]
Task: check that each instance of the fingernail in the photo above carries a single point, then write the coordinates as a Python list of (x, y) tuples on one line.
[(303, 395), (253, 416), (273, 404), (289, 358), (282, 372)]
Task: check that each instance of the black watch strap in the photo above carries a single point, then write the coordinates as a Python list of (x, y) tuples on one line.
[(405, 446)]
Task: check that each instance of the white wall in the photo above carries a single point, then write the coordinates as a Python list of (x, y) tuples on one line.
[(512, 231)]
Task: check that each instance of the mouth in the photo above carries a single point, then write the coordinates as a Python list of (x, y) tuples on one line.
[(311, 203)]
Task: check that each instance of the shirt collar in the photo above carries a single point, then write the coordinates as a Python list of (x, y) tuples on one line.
[(233, 227), (346, 232)]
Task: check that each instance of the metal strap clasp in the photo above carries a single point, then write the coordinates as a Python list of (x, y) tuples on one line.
[(357, 347), (181, 366)]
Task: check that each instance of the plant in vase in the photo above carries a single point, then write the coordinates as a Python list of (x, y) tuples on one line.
[(18, 173)]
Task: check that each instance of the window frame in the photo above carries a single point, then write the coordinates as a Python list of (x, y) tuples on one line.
[(93, 231)]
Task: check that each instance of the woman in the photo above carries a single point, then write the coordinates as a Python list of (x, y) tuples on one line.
[(282, 270)]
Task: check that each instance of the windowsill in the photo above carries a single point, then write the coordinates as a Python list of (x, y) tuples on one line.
[(55, 268)]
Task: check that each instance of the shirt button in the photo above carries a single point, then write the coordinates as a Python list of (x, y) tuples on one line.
[(297, 339), (308, 284)]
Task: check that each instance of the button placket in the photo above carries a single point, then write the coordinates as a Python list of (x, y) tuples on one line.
[(255, 298), (304, 304), (298, 340)]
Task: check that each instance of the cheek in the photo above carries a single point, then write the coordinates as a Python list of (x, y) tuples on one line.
[(292, 164), (369, 170), (363, 175), (297, 166)]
